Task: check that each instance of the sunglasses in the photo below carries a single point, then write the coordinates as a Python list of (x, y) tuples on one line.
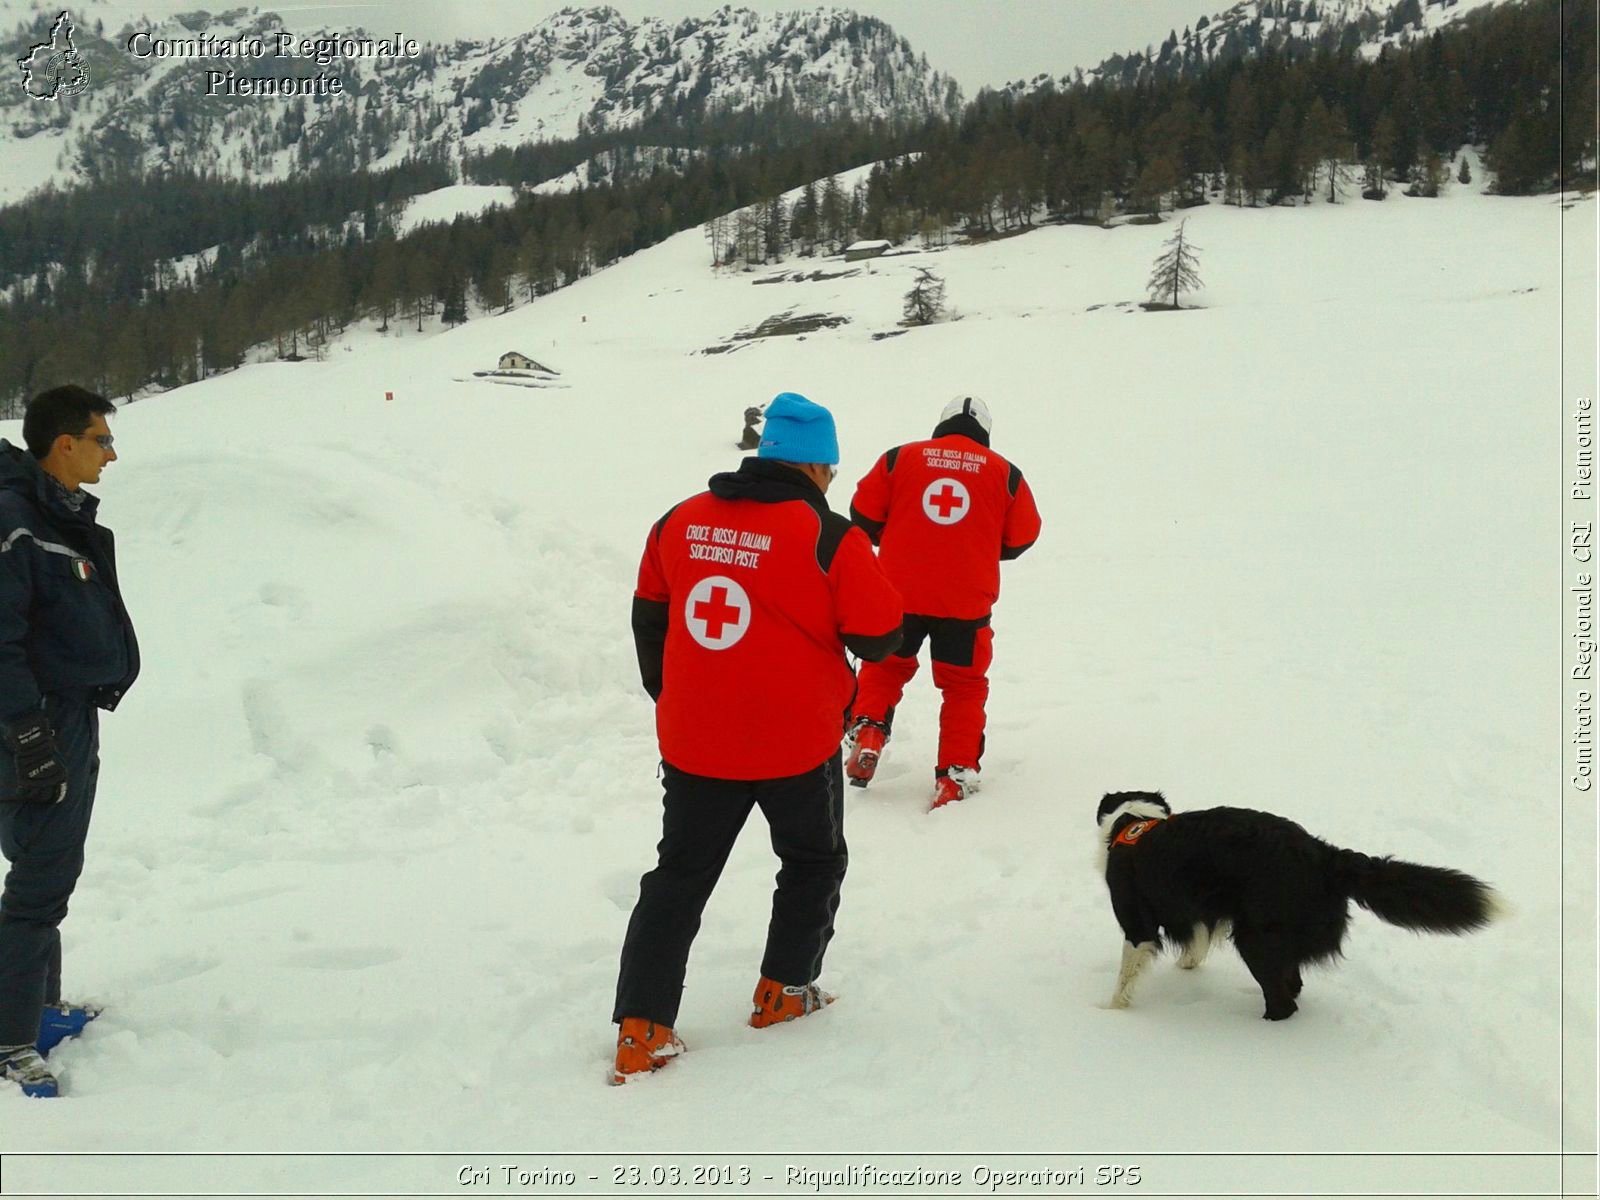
[(104, 440)]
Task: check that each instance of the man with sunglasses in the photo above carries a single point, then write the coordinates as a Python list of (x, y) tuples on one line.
[(749, 595), (67, 650)]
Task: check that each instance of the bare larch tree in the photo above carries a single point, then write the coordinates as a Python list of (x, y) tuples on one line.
[(1176, 270)]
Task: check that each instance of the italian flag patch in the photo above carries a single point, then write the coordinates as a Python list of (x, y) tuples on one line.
[(82, 568)]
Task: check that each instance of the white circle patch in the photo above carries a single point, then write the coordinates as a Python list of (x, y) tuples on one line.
[(946, 501), (717, 612)]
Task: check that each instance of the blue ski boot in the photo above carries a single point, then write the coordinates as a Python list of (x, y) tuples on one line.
[(22, 1065), (62, 1021)]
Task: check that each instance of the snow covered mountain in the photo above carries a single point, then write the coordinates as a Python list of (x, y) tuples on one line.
[(1365, 26), (174, 92)]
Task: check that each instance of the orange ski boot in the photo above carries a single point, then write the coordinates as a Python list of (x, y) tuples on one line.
[(642, 1047), (777, 1002)]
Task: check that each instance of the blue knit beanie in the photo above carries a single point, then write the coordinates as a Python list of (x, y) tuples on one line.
[(798, 431)]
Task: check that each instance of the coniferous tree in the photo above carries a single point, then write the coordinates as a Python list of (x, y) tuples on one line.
[(834, 214), (1518, 156), (382, 293), (453, 300), (804, 221), (89, 262), (748, 241), (1176, 269), (1326, 146), (1380, 158), (494, 285), (925, 302), (1428, 177), (1155, 183), (775, 227), (718, 233), (421, 274)]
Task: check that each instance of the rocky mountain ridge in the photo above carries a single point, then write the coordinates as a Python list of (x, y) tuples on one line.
[(1250, 26), (183, 92)]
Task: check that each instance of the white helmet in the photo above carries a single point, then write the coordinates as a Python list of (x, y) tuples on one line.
[(969, 406)]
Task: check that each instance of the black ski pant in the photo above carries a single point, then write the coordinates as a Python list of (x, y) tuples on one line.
[(701, 820), (44, 845)]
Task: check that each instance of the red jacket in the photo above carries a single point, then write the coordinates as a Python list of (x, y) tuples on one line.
[(944, 513), (748, 596)]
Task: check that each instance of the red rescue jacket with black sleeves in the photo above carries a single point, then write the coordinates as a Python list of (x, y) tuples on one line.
[(944, 513), (749, 594)]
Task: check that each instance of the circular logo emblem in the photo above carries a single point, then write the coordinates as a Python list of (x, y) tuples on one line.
[(67, 74), (946, 501), (717, 612)]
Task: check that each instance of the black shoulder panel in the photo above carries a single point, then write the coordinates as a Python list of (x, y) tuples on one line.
[(873, 529), (889, 457), (834, 527), (1014, 480), (655, 530)]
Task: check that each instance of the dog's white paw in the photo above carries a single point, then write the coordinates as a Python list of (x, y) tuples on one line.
[(1199, 946)]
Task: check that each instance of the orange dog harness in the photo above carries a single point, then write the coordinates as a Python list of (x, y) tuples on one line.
[(1132, 833)]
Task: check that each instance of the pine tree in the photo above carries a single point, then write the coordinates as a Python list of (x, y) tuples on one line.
[(1327, 146), (454, 301), (494, 288), (804, 220), (1158, 180), (382, 295), (1520, 157), (833, 213), (1176, 270), (1380, 157), (925, 303), (1428, 177)]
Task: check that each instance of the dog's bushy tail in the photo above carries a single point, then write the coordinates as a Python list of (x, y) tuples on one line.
[(1412, 896)]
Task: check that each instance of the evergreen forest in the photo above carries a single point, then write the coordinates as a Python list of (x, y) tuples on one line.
[(99, 284)]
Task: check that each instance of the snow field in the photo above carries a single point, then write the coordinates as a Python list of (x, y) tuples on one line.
[(372, 822)]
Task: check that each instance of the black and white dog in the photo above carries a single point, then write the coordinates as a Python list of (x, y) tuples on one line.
[(1281, 894)]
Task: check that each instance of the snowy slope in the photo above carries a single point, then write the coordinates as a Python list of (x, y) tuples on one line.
[(1248, 25), (578, 70), (444, 205), (371, 824)]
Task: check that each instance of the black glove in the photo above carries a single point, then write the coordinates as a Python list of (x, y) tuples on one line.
[(41, 775)]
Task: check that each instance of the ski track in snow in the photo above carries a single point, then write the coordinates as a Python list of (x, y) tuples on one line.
[(371, 824)]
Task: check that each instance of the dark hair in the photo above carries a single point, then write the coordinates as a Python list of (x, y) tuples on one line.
[(60, 410)]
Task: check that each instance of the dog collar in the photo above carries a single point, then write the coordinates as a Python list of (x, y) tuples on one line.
[(1130, 834)]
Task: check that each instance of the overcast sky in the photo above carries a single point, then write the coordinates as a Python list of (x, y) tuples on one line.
[(978, 42)]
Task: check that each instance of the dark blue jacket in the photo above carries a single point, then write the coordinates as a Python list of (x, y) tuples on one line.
[(63, 626)]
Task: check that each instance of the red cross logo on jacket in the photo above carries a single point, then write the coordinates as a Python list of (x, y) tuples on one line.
[(717, 612)]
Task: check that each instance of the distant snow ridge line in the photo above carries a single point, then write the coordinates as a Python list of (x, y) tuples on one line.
[(1253, 25), (580, 71)]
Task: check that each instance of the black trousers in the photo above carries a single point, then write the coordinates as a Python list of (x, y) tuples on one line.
[(44, 845), (701, 820)]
